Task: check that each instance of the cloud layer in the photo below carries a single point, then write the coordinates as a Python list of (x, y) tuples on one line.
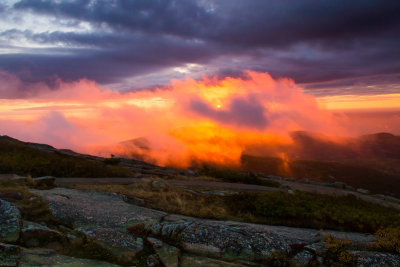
[(181, 123), (134, 44), (186, 121)]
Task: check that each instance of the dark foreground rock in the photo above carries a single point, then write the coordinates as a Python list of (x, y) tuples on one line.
[(11, 256), (36, 235), (185, 241), (373, 258), (102, 217), (168, 255), (246, 243), (9, 222), (48, 181)]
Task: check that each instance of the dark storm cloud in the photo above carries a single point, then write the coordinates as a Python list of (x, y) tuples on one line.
[(311, 41), (103, 57), (182, 18), (103, 40), (249, 23)]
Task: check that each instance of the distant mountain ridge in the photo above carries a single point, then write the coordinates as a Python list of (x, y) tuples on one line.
[(41, 159), (316, 147), (341, 162)]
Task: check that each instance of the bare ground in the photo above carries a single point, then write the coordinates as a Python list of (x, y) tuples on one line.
[(236, 187)]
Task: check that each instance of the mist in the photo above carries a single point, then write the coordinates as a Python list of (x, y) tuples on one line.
[(179, 124)]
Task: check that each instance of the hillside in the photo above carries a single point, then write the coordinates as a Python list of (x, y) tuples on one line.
[(157, 216), (25, 158), (355, 175)]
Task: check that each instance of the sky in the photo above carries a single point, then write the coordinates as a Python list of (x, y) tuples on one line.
[(65, 66)]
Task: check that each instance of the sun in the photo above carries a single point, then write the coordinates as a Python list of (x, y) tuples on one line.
[(218, 106)]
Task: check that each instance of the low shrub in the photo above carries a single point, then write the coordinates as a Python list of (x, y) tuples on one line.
[(280, 259), (337, 252), (236, 177), (112, 161), (388, 239)]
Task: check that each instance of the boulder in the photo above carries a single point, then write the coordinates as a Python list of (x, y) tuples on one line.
[(348, 187), (362, 191), (316, 248), (382, 197), (230, 240), (135, 201), (9, 222), (103, 217), (303, 257), (153, 261), (167, 254), (118, 242), (235, 241), (35, 235), (339, 185), (48, 181)]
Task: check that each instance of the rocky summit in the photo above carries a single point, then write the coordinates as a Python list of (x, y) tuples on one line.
[(128, 232)]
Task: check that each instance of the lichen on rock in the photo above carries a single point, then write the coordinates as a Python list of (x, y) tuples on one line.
[(9, 222)]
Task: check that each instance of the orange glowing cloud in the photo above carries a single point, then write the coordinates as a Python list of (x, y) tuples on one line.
[(186, 122), (360, 102)]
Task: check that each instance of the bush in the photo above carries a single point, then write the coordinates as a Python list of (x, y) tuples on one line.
[(112, 161), (337, 252), (236, 177), (388, 239)]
